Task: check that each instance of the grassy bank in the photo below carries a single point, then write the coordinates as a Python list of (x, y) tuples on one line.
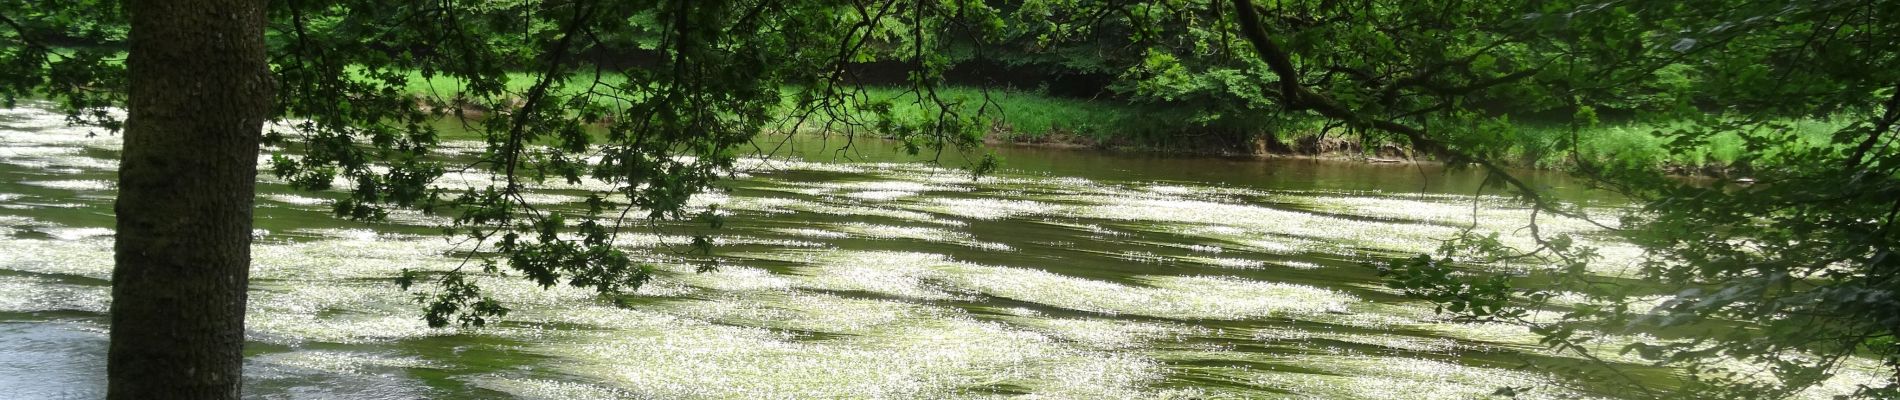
[(1024, 117), (1029, 118), (1638, 143)]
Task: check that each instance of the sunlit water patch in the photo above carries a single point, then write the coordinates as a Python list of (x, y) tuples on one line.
[(832, 280), (930, 276)]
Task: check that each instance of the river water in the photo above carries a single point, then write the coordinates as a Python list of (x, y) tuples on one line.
[(842, 274)]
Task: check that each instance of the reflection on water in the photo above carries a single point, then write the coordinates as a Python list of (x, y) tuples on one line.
[(1073, 274), (44, 360)]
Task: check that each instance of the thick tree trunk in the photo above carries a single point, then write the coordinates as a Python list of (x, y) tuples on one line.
[(200, 91)]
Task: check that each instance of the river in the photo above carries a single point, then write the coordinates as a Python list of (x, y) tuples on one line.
[(856, 274)]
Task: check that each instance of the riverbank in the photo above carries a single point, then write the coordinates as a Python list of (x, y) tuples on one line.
[(1029, 118), (1073, 275)]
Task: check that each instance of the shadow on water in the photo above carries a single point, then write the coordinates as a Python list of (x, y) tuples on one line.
[(1069, 274)]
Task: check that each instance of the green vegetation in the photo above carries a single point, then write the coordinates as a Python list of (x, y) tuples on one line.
[(1016, 116), (1788, 273), (1013, 115)]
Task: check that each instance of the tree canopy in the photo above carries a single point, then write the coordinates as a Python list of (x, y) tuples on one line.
[(1791, 270)]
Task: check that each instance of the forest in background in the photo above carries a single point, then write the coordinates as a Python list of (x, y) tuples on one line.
[(1790, 269), (1145, 76)]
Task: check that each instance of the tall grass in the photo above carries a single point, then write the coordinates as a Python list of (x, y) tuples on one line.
[(1648, 143)]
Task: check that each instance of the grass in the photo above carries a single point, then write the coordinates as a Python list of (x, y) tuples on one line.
[(1015, 114), (1648, 143), (1019, 114), (1031, 117)]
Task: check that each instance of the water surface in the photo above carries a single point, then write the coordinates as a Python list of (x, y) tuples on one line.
[(855, 274)]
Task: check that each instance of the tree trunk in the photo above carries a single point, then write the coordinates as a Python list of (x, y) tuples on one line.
[(200, 92)]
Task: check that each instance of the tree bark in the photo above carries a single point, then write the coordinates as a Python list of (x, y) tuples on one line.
[(199, 94)]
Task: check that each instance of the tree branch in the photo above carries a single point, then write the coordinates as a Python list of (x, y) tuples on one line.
[(1298, 97), (1881, 127)]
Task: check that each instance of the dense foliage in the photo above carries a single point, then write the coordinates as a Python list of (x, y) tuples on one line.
[(1788, 270), (712, 75), (1792, 272)]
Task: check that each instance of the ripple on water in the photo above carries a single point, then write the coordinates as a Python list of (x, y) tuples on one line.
[(51, 360), (31, 294), (74, 184), (1386, 377), (783, 205), (818, 317), (90, 258), (909, 359), (334, 375), (295, 313), (931, 276), (918, 233), (987, 208), (1109, 334)]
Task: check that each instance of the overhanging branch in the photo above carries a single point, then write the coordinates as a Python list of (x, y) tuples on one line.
[(1296, 96)]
